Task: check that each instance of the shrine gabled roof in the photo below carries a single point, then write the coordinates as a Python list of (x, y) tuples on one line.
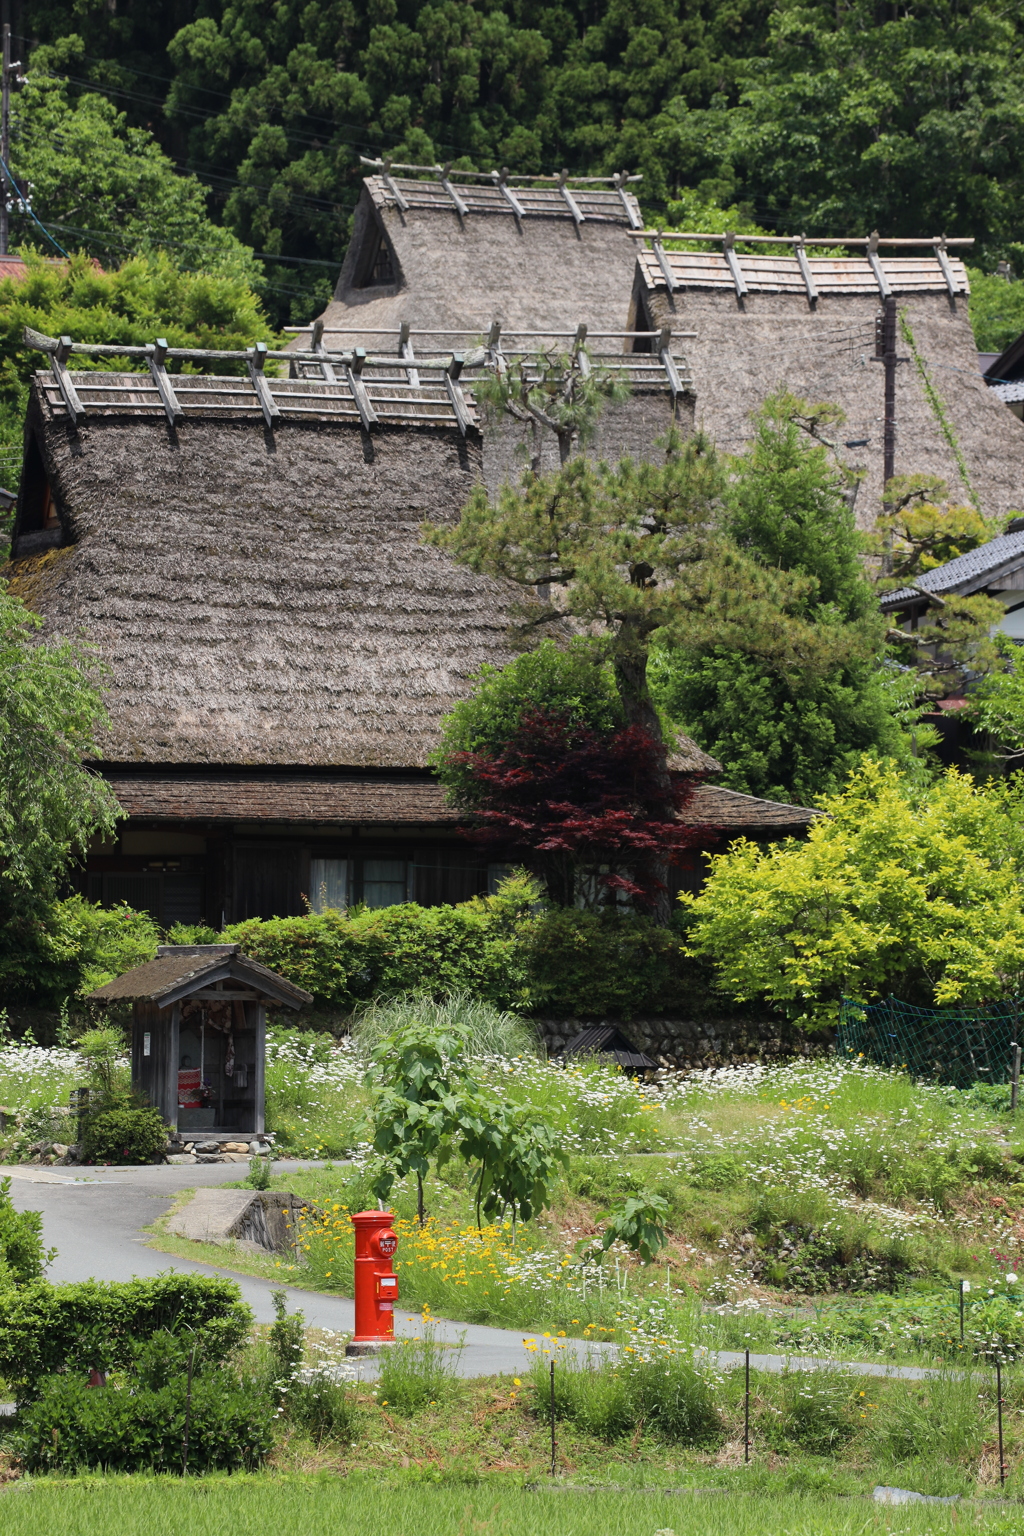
[(180, 970)]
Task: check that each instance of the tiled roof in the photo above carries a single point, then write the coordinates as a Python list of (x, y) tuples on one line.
[(300, 799), (1009, 392), (399, 802), (965, 573)]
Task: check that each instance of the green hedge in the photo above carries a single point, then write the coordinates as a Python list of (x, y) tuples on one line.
[(562, 963), (74, 1426), (346, 960), (45, 1329), (510, 948)]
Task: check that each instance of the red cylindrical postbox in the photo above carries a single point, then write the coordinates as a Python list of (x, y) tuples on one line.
[(376, 1284)]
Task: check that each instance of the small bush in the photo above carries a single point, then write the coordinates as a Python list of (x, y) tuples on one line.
[(416, 1373), (595, 1178), (816, 1411), (192, 933), (663, 1393), (124, 1136), (22, 1256), (718, 1171), (74, 1426), (323, 1409), (490, 1031)]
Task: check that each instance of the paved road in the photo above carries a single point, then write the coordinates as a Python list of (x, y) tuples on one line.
[(95, 1220)]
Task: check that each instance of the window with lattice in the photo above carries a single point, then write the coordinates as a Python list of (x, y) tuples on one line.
[(380, 270)]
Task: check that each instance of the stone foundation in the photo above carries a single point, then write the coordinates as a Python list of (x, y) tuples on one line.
[(194, 1147), (684, 1044)]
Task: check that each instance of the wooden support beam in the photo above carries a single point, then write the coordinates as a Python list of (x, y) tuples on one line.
[(494, 354), (400, 201), (268, 405), (733, 263), (620, 181), (367, 414), (799, 250), (876, 266), (442, 176), (668, 362), (405, 351), (455, 395), (664, 263), (164, 387), (72, 404), (947, 270), (579, 352), (211, 995), (326, 368), (573, 206), (500, 179)]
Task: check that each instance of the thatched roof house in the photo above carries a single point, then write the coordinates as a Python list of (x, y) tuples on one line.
[(806, 323), (450, 256), (245, 556), (451, 260)]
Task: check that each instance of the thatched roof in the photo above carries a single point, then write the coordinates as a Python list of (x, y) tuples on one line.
[(261, 598), (774, 336), (446, 272)]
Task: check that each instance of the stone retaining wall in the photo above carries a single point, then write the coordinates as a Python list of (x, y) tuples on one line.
[(705, 1042)]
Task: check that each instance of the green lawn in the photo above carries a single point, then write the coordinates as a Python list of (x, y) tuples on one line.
[(325, 1505)]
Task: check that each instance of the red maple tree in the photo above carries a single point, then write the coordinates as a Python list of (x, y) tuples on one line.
[(594, 814)]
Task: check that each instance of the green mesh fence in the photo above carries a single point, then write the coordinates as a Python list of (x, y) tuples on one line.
[(961, 1046)]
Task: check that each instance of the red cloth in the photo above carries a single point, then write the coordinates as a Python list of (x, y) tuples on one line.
[(189, 1084)]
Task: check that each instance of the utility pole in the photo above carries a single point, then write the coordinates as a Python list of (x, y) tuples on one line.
[(885, 353), (6, 190)]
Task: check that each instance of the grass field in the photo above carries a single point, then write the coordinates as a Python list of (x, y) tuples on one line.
[(324, 1504)]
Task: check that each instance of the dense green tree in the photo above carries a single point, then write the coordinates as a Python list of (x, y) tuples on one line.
[(51, 722), (98, 184), (783, 723), (802, 113), (146, 297), (903, 889)]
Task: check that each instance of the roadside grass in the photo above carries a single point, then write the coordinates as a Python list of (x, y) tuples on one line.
[(320, 1505), (467, 1456)]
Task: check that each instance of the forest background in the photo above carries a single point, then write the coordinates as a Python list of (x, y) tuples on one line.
[(828, 118)]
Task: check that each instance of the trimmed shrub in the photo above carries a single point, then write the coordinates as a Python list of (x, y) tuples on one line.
[(347, 959), (104, 1325), (506, 949), (124, 1136), (73, 1426)]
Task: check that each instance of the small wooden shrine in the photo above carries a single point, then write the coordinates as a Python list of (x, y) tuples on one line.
[(199, 1034)]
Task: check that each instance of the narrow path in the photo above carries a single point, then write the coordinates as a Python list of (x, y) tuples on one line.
[(96, 1218)]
